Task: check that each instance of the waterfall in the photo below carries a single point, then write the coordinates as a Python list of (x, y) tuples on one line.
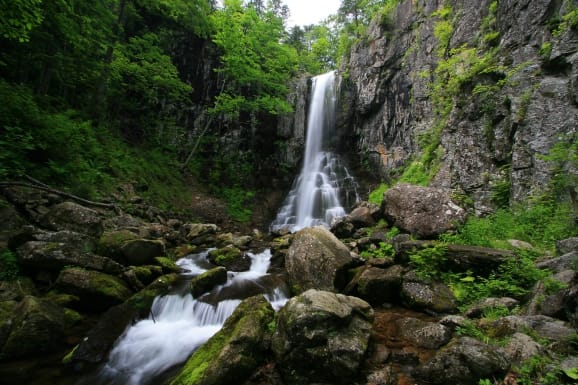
[(324, 182), (179, 323)]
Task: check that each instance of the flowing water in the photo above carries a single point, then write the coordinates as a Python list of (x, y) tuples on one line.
[(324, 185), (179, 324)]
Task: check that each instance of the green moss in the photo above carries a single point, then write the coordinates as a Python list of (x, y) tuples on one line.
[(167, 264), (376, 196)]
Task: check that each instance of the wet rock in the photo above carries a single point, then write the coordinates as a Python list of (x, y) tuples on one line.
[(230, 257), (167, 265), (36, 327), (477, 309), (429, 296), (206, 281), (53, 256), (316, 259), (97, 291), (464, 361), (148, 273), (322, 337), (522, 347), (236, 351), (74, 217), (422, 211), (428, 335)]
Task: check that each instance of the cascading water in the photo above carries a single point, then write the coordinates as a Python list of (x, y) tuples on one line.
[(179, 324), (315, 198)]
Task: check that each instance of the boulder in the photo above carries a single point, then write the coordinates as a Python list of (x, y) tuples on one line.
[(37, 326), (316, 259), (322, 337), (522, 347), (96, 291), (231, 258), (425, 295), (565, 246), (364, 215), (378, 286), (53, 256), (200, 233), (111, 242), (422, 211), (16, 289), (568, 261), (464, 361), (142, 251), (74, 217), (206, 281), (428, 335), (236, 351), (543, 326)]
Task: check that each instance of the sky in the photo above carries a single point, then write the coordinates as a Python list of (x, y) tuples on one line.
[(305, 12)]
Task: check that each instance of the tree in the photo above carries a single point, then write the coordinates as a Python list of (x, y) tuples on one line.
[(19, 18)]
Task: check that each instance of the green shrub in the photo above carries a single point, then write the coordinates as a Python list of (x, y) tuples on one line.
[(376, 196), (384, 250), (429, 262), (8, 266)]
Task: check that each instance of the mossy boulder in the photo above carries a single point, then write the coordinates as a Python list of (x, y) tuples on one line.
[(99, 340), (236, 351), (111, 242), (230, 257), (206, 281), (167, 265), (37, 326), (96, 291), (322, 337)]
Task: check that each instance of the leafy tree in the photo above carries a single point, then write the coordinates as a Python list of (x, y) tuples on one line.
[(19, 18), (255, 67)]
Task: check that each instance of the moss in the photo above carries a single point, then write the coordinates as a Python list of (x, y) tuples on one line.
[(168, 265), (110, 243), (110, 286), (143, 300)]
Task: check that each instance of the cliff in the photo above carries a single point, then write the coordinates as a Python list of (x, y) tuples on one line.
[(472, 96)]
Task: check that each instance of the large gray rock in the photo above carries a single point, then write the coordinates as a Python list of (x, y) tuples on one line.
[(74, 217), (426, 295), (464, 361), (378, 286), (422, 211), (322, 337), (235, 352), (429, 335), (316, 259)]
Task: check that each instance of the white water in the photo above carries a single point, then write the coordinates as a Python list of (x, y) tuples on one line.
[(179, 325), (315, 196)]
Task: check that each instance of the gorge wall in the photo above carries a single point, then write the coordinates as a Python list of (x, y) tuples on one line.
[(474, 94)]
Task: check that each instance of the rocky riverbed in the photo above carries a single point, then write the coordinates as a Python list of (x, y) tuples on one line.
[(86, 272)]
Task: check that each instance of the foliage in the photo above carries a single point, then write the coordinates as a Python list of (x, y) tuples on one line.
[(384, 250), (8, 266), (19, 18), (376, 196), (429, 262), (255, 66), (539, 368), (541, 224), (563, 160)]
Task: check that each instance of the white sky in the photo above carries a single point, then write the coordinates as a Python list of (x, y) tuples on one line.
[(305, 12)]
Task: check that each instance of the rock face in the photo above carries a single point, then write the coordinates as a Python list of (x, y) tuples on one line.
[(231, 355), (321, 337), (315, 260), (491, 139), (422, 211)]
